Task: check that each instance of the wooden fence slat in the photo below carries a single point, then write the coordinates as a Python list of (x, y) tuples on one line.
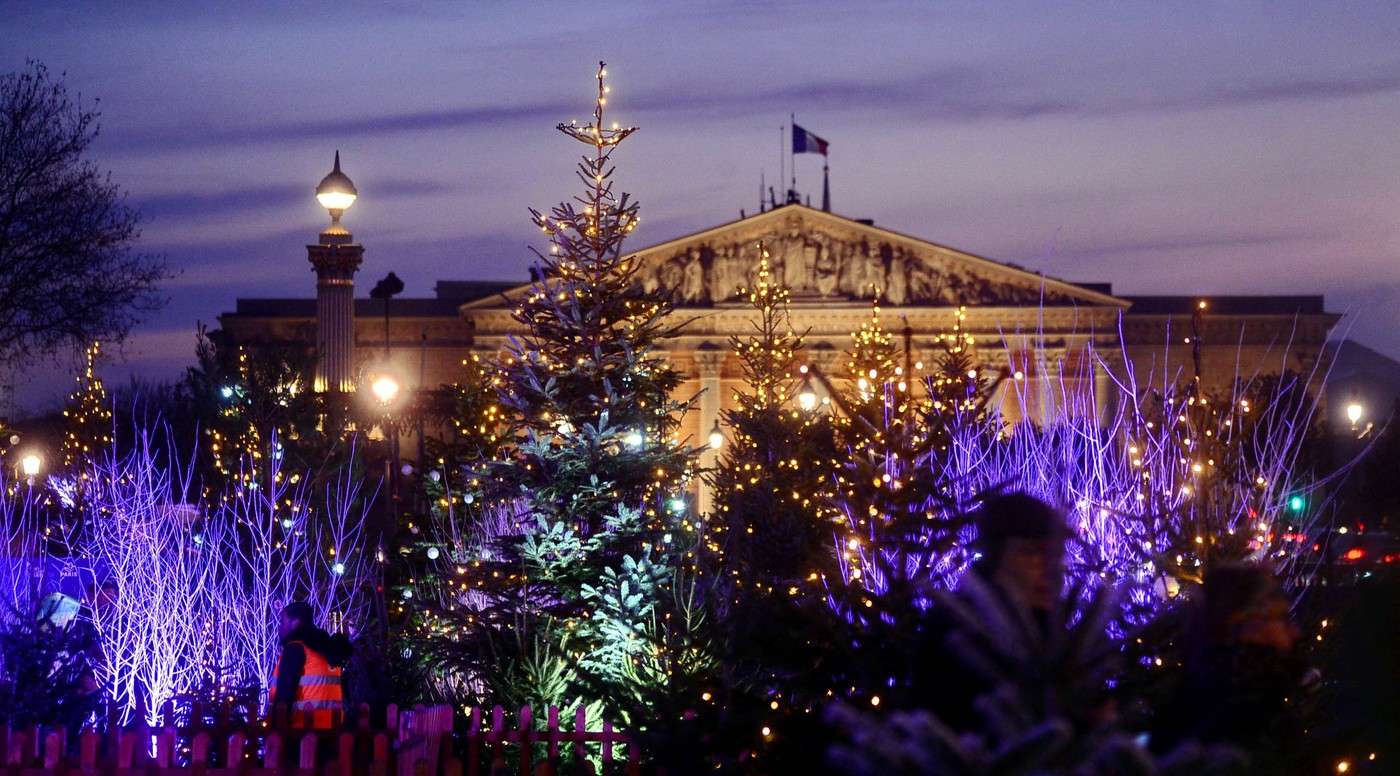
[(580, 727), (14, 753), (527, 749), (273, 749), (53, 749), (379, 761), (308, 752), (236, 744), (474, 743), (346, 753), (199, 749), (89, 745), (165, 746), (126, 749)]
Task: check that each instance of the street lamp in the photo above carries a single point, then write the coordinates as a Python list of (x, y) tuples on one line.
[(806, 394), (716, 437), (336, 193), (385, 388), (1354, 413), (31, 465)]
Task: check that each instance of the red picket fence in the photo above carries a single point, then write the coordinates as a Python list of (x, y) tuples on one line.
[(416, 742), (412, 743)]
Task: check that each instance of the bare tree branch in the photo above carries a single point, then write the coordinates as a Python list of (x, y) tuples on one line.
[(68, 271)]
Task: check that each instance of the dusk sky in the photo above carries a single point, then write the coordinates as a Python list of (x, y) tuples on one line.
[(1167, 148)]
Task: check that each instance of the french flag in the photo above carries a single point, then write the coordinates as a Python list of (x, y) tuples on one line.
[(804, 142)]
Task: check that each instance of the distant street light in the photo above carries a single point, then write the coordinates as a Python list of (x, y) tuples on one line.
[(385, 388), (31, 465), (1354, 413), (806, 394), (716, 437)]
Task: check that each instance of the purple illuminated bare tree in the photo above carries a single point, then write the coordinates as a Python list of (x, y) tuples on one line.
[(199, 588)]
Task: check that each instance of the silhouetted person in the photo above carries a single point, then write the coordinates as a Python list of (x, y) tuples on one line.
[(1242, 672), (1021, 546), (307, 679)]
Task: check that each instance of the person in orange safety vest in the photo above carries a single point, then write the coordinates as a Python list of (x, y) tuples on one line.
[(307, 678)]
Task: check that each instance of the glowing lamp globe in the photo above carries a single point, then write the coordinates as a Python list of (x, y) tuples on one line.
[(806, 395), (1354, 412), (336, 193), (31, 465), (385, 389), (716, 437)]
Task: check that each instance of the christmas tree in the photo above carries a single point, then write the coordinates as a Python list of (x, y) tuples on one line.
[(590, 490), (770, 539), (772, 529), (87, 419)]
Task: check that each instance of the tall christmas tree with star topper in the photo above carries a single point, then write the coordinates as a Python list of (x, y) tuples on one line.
[(593, 475)]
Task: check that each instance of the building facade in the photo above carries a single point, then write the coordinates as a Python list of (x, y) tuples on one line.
[(1075, 348)]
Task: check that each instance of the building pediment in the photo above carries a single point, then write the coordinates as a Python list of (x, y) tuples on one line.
[(823, 258)]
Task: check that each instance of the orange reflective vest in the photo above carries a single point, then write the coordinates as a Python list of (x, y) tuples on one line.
[(318, 693)]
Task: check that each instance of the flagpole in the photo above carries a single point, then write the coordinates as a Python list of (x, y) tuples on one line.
[(826, 186), (792, 157), (782, 162)]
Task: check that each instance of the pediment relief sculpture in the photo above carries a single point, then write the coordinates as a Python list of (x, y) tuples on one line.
[(816, 265)]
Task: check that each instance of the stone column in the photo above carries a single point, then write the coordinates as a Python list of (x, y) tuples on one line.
[(335, 259)]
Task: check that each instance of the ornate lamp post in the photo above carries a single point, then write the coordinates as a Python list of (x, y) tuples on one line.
[(335, 258)]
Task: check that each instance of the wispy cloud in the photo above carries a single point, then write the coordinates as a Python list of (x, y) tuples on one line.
[(231, 201), (971, 94), (341, 128), (1190, 242)]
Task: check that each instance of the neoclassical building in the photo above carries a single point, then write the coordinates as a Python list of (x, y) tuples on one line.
[(1052, 332)]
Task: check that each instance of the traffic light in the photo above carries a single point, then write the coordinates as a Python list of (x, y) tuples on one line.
[(1296, 503)]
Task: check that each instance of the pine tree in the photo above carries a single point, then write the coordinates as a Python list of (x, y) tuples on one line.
[(772, 529), (960, 388), (87, 419), (87, 438), (902, 489), (769, 540), (257, 404), (594, 473)]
